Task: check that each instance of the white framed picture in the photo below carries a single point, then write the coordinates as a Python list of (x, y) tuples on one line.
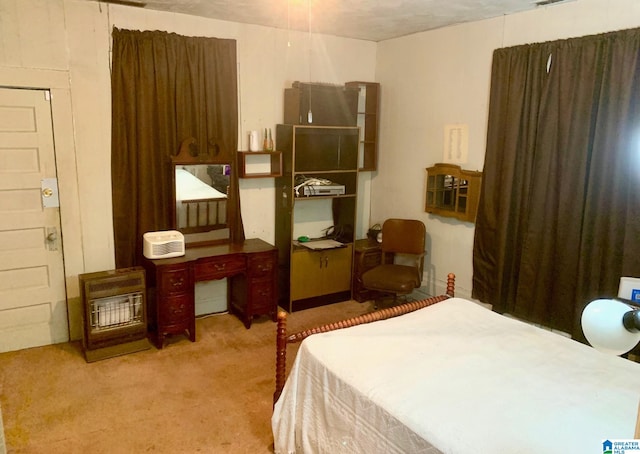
[(456, 143)]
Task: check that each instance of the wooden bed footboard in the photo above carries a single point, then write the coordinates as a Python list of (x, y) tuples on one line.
[(201, 215), (282, 339)]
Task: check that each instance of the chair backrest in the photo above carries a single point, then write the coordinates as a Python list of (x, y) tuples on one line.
[(404, 236)]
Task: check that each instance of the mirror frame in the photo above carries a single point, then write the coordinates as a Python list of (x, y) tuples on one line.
[(190, 154)]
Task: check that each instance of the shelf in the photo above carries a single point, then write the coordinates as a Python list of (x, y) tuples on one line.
[(320, 197), (302, 172), (367, 119), (259, 164)]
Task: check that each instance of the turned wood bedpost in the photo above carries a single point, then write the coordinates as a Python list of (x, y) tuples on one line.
[(451, 284), (281, 354)]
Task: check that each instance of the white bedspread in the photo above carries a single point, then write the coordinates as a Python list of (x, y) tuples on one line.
[(455, 378), (189, 187)]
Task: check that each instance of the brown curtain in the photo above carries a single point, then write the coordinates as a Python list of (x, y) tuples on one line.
[(559, 215), (166, 88)]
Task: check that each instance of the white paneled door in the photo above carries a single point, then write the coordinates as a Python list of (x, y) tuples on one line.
[(33, 308)]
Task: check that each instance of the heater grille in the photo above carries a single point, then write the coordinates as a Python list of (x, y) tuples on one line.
[(117, 311)]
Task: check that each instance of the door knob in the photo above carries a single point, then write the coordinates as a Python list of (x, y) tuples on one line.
[(49, 191)]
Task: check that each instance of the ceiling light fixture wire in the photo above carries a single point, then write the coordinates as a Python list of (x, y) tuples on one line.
[(288, 23), (310, 113)]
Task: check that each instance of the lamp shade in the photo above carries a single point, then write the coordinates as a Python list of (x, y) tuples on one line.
[(602, 324)]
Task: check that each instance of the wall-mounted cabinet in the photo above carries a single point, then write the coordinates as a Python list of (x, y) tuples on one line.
[(313, 155), (368, 120), (320, 104), (453, 192)]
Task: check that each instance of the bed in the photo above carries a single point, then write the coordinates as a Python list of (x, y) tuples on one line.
[(448, 375), (199, 207)]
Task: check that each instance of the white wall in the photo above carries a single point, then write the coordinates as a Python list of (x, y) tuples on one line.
[(65, 45), (428, 80), (442, 77)]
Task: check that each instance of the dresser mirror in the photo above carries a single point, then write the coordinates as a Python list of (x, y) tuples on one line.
[(201, 196)]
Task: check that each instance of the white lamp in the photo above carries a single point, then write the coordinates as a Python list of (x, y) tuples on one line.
[(611, 326)]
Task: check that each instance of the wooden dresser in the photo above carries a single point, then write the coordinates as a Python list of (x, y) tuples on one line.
[(251, 271)]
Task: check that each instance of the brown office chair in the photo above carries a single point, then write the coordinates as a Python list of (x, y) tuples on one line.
[(405, 237)]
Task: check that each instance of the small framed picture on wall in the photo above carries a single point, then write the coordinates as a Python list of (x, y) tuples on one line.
[(456, 143)]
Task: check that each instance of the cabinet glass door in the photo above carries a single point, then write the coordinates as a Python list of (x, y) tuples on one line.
[(463, 190), (446, 192)]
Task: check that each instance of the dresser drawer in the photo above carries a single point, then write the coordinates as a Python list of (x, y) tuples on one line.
[(174, 280), (261, 264), (174, 309), (219, 267)]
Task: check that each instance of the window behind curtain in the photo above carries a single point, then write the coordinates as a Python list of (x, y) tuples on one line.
[(165, 88), (559, 214)]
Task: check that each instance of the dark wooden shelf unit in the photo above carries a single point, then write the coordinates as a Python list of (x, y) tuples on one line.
[(324, 152)]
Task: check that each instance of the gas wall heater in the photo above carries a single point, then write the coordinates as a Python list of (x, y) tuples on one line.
[(114, 314)]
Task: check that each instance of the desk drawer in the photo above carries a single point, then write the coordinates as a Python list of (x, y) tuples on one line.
[(263, 295), (218, 268), (174, 280), (174, 309), (261, 264)]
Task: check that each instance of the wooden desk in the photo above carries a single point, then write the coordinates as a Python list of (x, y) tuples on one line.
[(251, 269)]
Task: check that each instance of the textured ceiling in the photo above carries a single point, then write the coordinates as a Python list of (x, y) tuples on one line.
[(372, 20)]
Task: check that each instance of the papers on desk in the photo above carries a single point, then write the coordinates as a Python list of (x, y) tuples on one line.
[(321, 244)]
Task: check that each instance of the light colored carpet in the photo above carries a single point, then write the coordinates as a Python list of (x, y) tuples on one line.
[(213, 396)]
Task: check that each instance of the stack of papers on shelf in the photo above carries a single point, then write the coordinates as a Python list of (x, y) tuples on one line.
[(322, 244)]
